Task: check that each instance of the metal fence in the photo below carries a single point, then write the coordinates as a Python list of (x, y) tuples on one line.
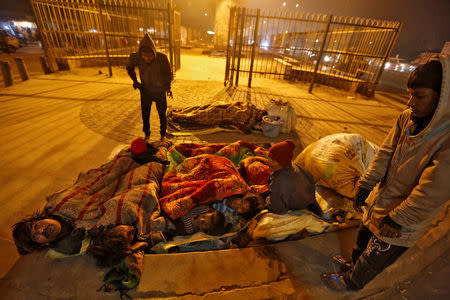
[(106, 30), (344, 52)]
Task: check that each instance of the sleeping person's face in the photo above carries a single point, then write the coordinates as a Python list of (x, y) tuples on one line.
[(206, 221), (125, 232), (241, 206), (45, 231)]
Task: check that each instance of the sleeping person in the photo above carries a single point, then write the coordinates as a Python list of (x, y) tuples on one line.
[(42, 231)]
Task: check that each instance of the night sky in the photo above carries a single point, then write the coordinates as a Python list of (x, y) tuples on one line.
[(426, 23)]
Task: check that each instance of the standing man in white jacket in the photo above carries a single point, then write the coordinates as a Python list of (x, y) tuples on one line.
[(407, 183)]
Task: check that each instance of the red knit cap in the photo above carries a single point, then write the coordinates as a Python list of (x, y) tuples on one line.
[(282, 152), (138, 146)]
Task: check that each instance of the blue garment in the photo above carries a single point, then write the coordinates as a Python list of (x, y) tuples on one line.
[(222, 207)]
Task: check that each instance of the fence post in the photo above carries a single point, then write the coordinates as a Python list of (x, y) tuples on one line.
[(43, 37), (241, 41), (227, 63), (170, 15), (319, 58), (388, 54), (102, 24), (255, 37), (6, 72), (235, 36), (22, 69)]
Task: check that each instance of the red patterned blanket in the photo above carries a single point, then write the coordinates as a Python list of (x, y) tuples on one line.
[(200, 174)]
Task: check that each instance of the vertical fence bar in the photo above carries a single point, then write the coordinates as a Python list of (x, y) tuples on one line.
[(102, 24), (241, 41), (227, 63), (235, 36), (43, 37), (170, 16), (319, 58), (388, 54), (255, 39)]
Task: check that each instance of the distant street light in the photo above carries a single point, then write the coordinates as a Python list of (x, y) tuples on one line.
[(284, 3), (206, 14), (297, 5)]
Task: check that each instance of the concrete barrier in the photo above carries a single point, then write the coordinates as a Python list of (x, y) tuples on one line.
[(21, 68), (6, 72)]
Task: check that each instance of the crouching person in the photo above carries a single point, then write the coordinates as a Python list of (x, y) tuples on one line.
[(406, 184), (291, 187)]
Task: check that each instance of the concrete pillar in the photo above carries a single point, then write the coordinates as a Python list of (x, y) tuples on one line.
[(22, 68), (45, 66), (6, 72)]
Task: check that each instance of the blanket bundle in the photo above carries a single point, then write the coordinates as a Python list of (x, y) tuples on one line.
[(241, 115), (197, 175), (118, 192)]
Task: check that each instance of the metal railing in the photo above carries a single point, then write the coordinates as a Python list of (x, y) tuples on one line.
[(344, 52), (107, 30)]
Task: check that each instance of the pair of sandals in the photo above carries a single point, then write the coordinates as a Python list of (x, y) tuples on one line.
[(335, 281)]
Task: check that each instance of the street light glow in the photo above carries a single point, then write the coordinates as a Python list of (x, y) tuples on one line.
[(284, 3), (206, 14), (297, 5)]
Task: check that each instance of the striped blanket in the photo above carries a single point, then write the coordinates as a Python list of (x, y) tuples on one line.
[(199, 174), (119, 192)]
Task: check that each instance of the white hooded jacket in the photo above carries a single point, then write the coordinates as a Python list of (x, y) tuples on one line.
[(410, 174)]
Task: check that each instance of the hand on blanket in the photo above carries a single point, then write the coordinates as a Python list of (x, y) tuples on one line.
[(138, 246)]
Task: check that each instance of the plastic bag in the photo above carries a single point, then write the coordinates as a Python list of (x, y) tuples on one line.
[(337, 161), (285, 111), (274, 227)]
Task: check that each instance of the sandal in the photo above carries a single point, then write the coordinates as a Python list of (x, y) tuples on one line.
[(334, 281), (345, 263)]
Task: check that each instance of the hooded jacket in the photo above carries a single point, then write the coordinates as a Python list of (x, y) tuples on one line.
[(410, 173), (155, 76)]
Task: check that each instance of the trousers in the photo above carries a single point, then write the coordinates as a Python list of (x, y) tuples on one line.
[(370, 256), (146, 105)]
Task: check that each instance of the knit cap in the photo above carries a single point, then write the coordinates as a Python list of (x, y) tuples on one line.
[(282, 152), (138, 146)]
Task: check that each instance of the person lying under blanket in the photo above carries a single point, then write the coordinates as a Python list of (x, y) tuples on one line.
[(241, 115)]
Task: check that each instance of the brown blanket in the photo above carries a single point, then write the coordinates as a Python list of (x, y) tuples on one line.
[(240, 115)]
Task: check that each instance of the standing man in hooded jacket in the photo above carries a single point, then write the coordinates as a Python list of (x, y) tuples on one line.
[(155, 73), (406, 185)]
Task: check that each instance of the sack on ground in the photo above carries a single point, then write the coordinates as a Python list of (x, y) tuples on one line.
[(337, 161), (285, 111)]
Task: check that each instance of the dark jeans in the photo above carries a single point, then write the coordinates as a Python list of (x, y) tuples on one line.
[(370, 256), (146, 105)]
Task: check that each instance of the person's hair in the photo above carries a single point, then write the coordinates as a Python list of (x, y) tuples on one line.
[(22, 232), (107, 248), (428, 75), (218, 224), (256, 204)]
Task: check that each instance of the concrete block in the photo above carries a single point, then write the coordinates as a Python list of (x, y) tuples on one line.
[(203, 272)]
